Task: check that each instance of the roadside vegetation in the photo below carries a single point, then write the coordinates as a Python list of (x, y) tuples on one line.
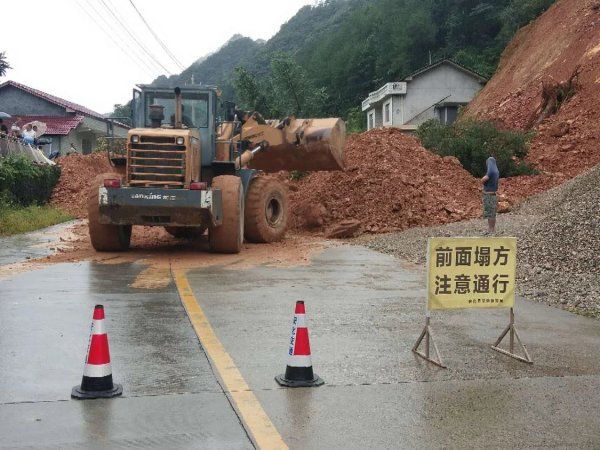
[(21, 219), (25, 189), (472, 142)]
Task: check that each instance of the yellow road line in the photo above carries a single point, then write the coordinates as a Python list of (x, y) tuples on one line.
[(257, 422)]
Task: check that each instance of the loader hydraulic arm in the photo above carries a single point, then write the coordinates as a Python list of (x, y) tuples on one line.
[(248, 155)]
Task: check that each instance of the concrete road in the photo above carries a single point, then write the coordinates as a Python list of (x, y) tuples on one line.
[(365, 311)]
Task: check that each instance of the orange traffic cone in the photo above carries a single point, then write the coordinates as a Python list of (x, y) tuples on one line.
[(97, 379), (299, 371)]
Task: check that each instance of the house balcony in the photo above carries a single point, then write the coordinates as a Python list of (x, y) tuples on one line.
[(396, 88)]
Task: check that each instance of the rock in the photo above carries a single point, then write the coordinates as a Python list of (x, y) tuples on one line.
[(567, 147), (344, 229), (503, 207), (559, 129), (314, 216)]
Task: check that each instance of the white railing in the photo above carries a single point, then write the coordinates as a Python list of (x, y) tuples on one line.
[(10, 146), (396, 88)]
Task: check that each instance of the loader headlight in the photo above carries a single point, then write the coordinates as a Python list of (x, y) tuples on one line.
[(135, 139), (179, 141)]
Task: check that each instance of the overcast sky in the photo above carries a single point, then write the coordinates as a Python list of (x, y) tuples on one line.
[(78, 50)]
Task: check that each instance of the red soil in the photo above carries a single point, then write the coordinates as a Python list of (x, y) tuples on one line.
[(565, 39), (391, 183), (77, 173)]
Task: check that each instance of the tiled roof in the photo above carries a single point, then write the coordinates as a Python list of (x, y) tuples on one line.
[(439, 63), (53, 99), (56, 125), (58, 101)]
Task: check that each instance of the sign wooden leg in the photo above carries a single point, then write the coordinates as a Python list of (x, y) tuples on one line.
[(428, 337), (511, 330)]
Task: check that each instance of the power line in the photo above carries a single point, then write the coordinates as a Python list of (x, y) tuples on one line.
[(162, 44), (150, 55), (152, 67), (126, 52)]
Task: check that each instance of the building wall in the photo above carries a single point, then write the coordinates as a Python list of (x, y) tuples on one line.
[(85, 136), (429, 88), (18, 103)]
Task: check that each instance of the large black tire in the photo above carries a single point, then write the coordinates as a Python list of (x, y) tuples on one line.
[(105, 238), (229, 236), (266, 212), (186, 232)]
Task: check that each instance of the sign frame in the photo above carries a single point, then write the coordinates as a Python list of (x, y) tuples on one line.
[(426, 335)]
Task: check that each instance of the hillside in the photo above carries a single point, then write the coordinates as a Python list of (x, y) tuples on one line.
[(548, 81), (350, 47)]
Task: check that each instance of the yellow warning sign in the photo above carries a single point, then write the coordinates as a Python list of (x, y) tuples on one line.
[(471, 272)]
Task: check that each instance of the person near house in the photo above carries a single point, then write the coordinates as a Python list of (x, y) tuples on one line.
[(3, 136), (15, 131), (72, 149), (28, 135), (35, 134), (490, 199)]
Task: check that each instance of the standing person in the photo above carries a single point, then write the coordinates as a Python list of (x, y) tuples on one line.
[(28, 135), (15, 131), (3, 129), (3, 139), (490, 199)]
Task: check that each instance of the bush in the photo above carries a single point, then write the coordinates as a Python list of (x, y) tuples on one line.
[(357, 120), (24, 183), (472, 142)]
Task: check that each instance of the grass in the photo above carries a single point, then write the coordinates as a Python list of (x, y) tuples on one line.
[(15, 220)]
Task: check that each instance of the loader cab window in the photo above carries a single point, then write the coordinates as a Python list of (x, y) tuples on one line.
[(195, 108)]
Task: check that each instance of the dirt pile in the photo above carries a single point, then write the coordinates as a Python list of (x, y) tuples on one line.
[(77, 173), (391, 183), (562, 251), (549, 81)]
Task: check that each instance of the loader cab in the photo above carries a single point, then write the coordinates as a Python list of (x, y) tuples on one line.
[(199, 112)]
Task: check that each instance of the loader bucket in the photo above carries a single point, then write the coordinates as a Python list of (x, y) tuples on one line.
[(312, 145)]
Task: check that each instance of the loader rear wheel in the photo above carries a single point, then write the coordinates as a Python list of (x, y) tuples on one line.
[(186, 232), (105, 238), (229, 236), (266, 213)]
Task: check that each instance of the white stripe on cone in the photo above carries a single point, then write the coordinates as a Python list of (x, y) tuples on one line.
[(97, 370), (300, 320), (299, 361), (98, 327)]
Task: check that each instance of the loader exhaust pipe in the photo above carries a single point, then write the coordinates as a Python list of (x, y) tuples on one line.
[(178, 108)]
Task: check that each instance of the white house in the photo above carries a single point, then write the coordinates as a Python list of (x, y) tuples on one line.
[(435, 91)]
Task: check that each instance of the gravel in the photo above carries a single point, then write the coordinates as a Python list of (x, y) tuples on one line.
[(558, 239)]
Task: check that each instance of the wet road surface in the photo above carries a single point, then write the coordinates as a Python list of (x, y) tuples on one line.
[(365, 311)]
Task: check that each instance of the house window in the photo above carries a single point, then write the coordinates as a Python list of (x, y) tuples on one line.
[(448, 114), (387, 118)]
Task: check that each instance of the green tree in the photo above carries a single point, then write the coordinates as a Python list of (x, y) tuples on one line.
[(122, 110), (4, 66), (293, 92)]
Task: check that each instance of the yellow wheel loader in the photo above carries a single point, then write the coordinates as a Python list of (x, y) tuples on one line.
[(189, 172)]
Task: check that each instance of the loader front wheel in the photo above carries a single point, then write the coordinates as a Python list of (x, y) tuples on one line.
[(105, 238), (229, 236), (266, 214)]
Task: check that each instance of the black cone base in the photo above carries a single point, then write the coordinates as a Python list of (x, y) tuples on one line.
[(299, 377), (77, 392)]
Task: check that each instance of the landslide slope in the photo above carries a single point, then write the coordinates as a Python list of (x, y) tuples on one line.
[(561, 46)]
